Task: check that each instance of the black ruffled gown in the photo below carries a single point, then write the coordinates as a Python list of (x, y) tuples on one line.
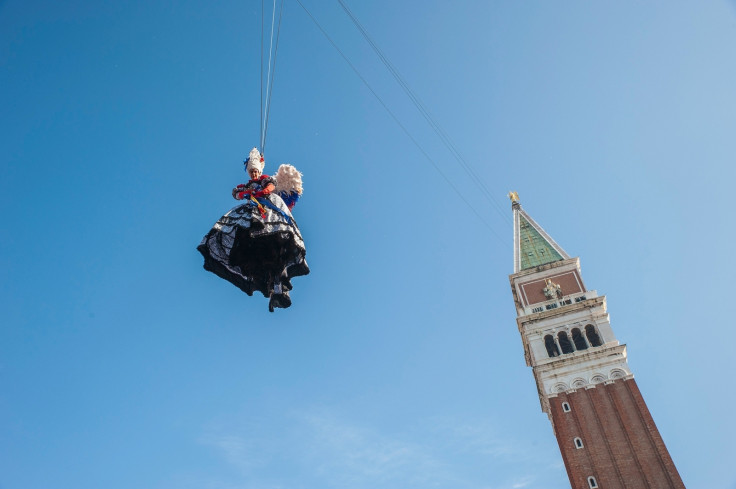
[(257, 247)]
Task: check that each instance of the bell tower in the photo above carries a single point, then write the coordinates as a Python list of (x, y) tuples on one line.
[(606, 434)]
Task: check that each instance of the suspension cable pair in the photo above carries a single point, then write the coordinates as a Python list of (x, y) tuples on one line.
[(425, 113), (272, 52), (436, 127)]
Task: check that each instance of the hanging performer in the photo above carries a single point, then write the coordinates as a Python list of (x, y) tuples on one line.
[(257, 245)]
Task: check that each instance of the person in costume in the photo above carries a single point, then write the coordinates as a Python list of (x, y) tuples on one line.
[(257, 245)]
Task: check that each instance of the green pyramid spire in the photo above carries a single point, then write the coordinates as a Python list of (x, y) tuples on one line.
[(534, 249)]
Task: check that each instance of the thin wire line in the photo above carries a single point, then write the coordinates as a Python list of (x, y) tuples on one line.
[(273, 76), (444, 137), (260, 132), (403, 128), (268, 76)]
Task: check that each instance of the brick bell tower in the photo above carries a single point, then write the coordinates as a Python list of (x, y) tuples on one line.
[(606, 434)]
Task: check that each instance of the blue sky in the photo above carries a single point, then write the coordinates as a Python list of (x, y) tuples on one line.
[(124, 364)]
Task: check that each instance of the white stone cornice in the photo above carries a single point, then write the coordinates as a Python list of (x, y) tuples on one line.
[(565, 310), (581, 370), (542, 270)]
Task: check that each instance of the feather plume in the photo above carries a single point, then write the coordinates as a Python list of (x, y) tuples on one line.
[(288, 180)]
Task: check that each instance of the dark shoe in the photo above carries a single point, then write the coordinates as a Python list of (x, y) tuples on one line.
[(281, 300)]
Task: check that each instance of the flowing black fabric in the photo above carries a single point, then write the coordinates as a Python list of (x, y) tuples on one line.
[(257, 253)]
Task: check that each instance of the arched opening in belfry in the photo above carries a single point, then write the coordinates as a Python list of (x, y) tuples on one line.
[(578, 339), (592, 335), (565, 342), (549, 343)]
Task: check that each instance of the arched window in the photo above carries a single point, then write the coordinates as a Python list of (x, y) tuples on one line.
[(592, 335), (552, 349), (592, 483), (579, 340), (564, 342), (578, 443), (565, 407)]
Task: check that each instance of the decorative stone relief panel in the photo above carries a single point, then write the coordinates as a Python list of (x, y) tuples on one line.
[(585, 375), (617, 373), (578, 383), (533, 292), (597, 379)]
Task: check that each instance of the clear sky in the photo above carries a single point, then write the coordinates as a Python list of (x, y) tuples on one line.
[(123, 127)]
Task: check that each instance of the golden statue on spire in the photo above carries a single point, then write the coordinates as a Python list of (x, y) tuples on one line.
[(514, 197)]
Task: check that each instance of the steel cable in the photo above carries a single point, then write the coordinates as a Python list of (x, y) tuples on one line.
[(403, 128), (444, 137)]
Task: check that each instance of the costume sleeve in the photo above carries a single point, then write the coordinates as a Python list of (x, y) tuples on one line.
[(239, 192), (267, 186)]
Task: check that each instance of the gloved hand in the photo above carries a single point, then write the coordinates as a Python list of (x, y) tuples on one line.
[(239, 192)]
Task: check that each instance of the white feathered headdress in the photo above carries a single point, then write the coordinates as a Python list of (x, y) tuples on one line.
[(255, 160)]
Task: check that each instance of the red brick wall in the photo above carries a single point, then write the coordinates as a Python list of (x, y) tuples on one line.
[(622, 446)]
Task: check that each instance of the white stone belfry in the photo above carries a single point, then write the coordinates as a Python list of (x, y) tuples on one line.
[(567, 337)]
